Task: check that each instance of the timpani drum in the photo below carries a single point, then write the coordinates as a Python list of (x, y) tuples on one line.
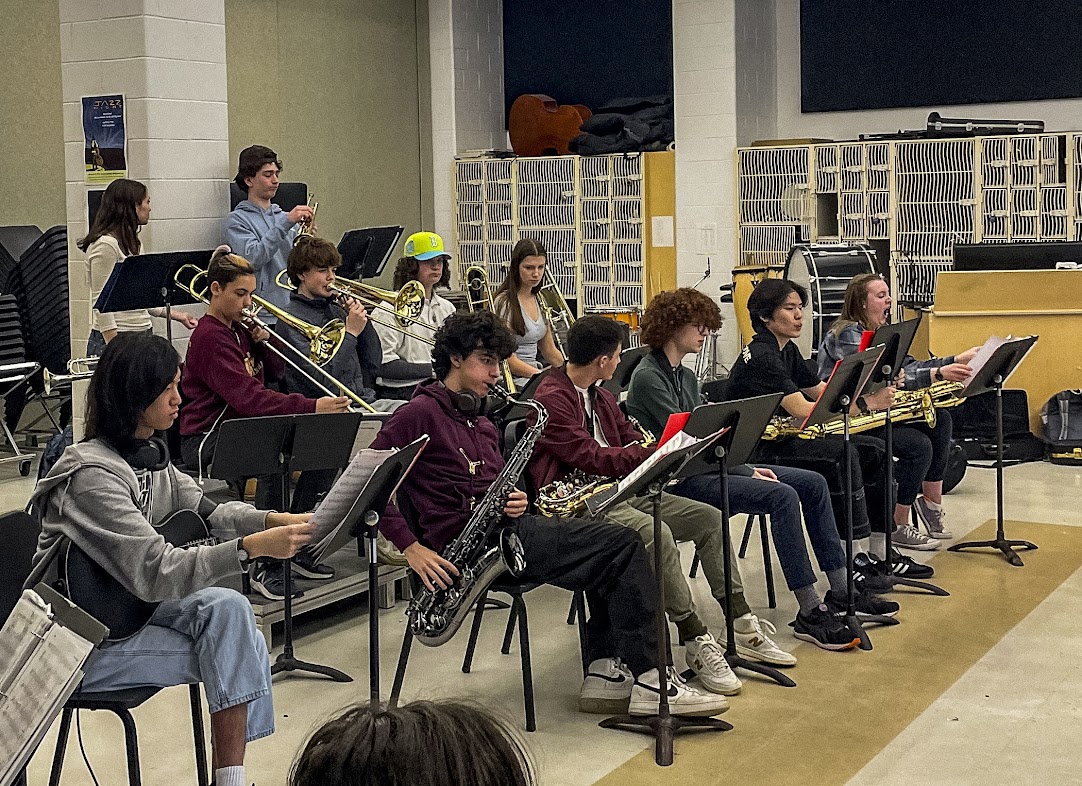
[(627, 316), (824, 270), (745, 277)]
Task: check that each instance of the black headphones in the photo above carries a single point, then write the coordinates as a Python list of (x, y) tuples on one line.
[(150, 454), (470, 404)]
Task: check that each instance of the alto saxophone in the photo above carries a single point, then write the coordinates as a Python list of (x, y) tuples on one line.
[(483, 550)]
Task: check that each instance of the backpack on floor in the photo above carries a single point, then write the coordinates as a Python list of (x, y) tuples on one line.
[(1061, 418)]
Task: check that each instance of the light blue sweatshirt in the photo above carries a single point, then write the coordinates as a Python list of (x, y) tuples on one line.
[(264, 238)]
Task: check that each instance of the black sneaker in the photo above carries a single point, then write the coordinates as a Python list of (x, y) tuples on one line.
[(824, 629), (870, 573), (908, 568), (866, 603), (269, 581), (305, 566)]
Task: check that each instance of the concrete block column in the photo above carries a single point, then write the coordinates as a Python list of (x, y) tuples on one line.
[(168, 59)]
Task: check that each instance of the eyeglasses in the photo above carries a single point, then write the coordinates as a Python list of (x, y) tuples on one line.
[(703, 330)]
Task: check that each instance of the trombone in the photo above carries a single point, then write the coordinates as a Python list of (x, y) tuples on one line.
[(555, 309), (408, 302), (325, 341), (479, 298)]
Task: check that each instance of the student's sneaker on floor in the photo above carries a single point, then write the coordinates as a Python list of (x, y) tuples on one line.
[(684, 699), (269, 581), (866, 603), (931, 519), (870, 573), (607, 687), (706, 658), (824, 629), (908, 568), (757, 645), (908, 537), (306, 567)]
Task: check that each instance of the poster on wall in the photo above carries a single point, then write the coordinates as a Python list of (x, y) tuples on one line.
[(104, 139)]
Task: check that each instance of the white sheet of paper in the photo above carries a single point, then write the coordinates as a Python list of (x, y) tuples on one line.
[(662, 234)]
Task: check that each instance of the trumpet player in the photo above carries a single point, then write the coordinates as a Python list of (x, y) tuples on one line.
[(260, 231), (407, 361), (223, 379), (517, 303), (922, 451), (586, 431), (311, 267)]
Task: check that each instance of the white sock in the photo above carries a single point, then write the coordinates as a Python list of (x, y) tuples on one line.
[(743, 624), (230, 776), (932, 505), (877, 545), (860, 544)]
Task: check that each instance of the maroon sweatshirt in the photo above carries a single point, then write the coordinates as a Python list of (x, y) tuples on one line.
[(440, 486), (567, 443), (223, 379)]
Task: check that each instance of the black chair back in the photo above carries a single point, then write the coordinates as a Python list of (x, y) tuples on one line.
[(289, 195), (19, 534)]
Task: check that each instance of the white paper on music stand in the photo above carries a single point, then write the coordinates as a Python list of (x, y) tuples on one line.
[(986, 351), (678, 441)]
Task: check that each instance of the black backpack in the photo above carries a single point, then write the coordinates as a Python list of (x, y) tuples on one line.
[(1061, 417)]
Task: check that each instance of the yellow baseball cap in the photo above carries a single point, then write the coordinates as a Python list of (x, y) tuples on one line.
[(425, 245)]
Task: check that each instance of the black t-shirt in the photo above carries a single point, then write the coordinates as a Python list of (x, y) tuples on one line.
[(762, 369)]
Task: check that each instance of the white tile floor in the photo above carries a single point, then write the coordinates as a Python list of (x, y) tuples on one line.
[(1014, 717)]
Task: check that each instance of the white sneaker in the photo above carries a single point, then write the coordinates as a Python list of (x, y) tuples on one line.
[(706, 658), (757, 645), (909, 537), (684, 699), (607, 687)]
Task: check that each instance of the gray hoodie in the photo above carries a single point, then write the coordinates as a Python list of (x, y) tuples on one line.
[(93, 497), (264, 238)]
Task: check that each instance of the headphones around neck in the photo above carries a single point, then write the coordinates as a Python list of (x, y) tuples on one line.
[(150, 454), (470, 404)]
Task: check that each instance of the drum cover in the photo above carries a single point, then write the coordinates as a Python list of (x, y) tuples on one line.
[(824, 271)]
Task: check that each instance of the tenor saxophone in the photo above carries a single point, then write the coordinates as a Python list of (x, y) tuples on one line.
[(483, 550)]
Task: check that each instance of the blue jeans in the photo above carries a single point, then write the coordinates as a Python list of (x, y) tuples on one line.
[(799, 488), (210, 637)]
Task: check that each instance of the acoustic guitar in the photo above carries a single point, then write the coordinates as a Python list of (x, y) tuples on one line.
[(93, 589), (538, 126)]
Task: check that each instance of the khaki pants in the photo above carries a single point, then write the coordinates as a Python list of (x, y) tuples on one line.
[(682, 520)]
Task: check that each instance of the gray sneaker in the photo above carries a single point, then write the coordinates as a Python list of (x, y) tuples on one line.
[(932, 519), (908, 537)]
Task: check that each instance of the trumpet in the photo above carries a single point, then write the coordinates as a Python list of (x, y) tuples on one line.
[(308, 228), (324, 342), (408, 302), (479, 298), (78, 368)]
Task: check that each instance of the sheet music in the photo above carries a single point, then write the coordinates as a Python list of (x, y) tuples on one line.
[(981, 358), (40, 666), (678, 441)]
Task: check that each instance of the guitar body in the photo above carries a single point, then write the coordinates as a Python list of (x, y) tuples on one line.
[(538, 126), (93, 589)]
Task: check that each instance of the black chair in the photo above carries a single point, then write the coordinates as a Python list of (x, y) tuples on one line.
[(768, 565), (19, 533), (14, 390)]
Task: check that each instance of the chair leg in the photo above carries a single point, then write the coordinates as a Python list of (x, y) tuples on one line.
[(694, 566), (61, 747), (475, 629), (400, 672), (768, 564), (512, 618), (527, 666), (747, 537), (571, 612), (201, 774), (578, 604), (131, 745)]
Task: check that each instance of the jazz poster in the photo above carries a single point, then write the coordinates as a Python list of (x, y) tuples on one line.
[(104, 139)]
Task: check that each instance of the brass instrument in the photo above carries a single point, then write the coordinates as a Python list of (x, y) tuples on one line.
[(78, 368), (479, 298), (408, 302), (908, 405), (308, 228), (555, 310), (324, 342)]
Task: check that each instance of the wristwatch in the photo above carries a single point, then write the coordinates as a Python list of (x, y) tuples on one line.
[(939, 374), (862, 405), (242, 552)]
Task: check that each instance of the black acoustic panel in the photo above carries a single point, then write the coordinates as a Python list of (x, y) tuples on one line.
[(856, 54), (43, 300), (288, 197)]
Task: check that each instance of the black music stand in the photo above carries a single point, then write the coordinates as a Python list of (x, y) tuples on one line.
[(746, 419), (369, 507), (845, 384), (991, 376), (895, 340), (146, 281), (663, 725), (365, 251), (317, 442)]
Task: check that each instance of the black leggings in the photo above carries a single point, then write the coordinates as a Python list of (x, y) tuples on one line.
[(921, 454)]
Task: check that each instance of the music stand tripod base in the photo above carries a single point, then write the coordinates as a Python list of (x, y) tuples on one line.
[(663, 729), (1006, 546)]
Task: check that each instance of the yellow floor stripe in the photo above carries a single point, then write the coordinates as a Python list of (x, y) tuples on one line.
[(847, 706)]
